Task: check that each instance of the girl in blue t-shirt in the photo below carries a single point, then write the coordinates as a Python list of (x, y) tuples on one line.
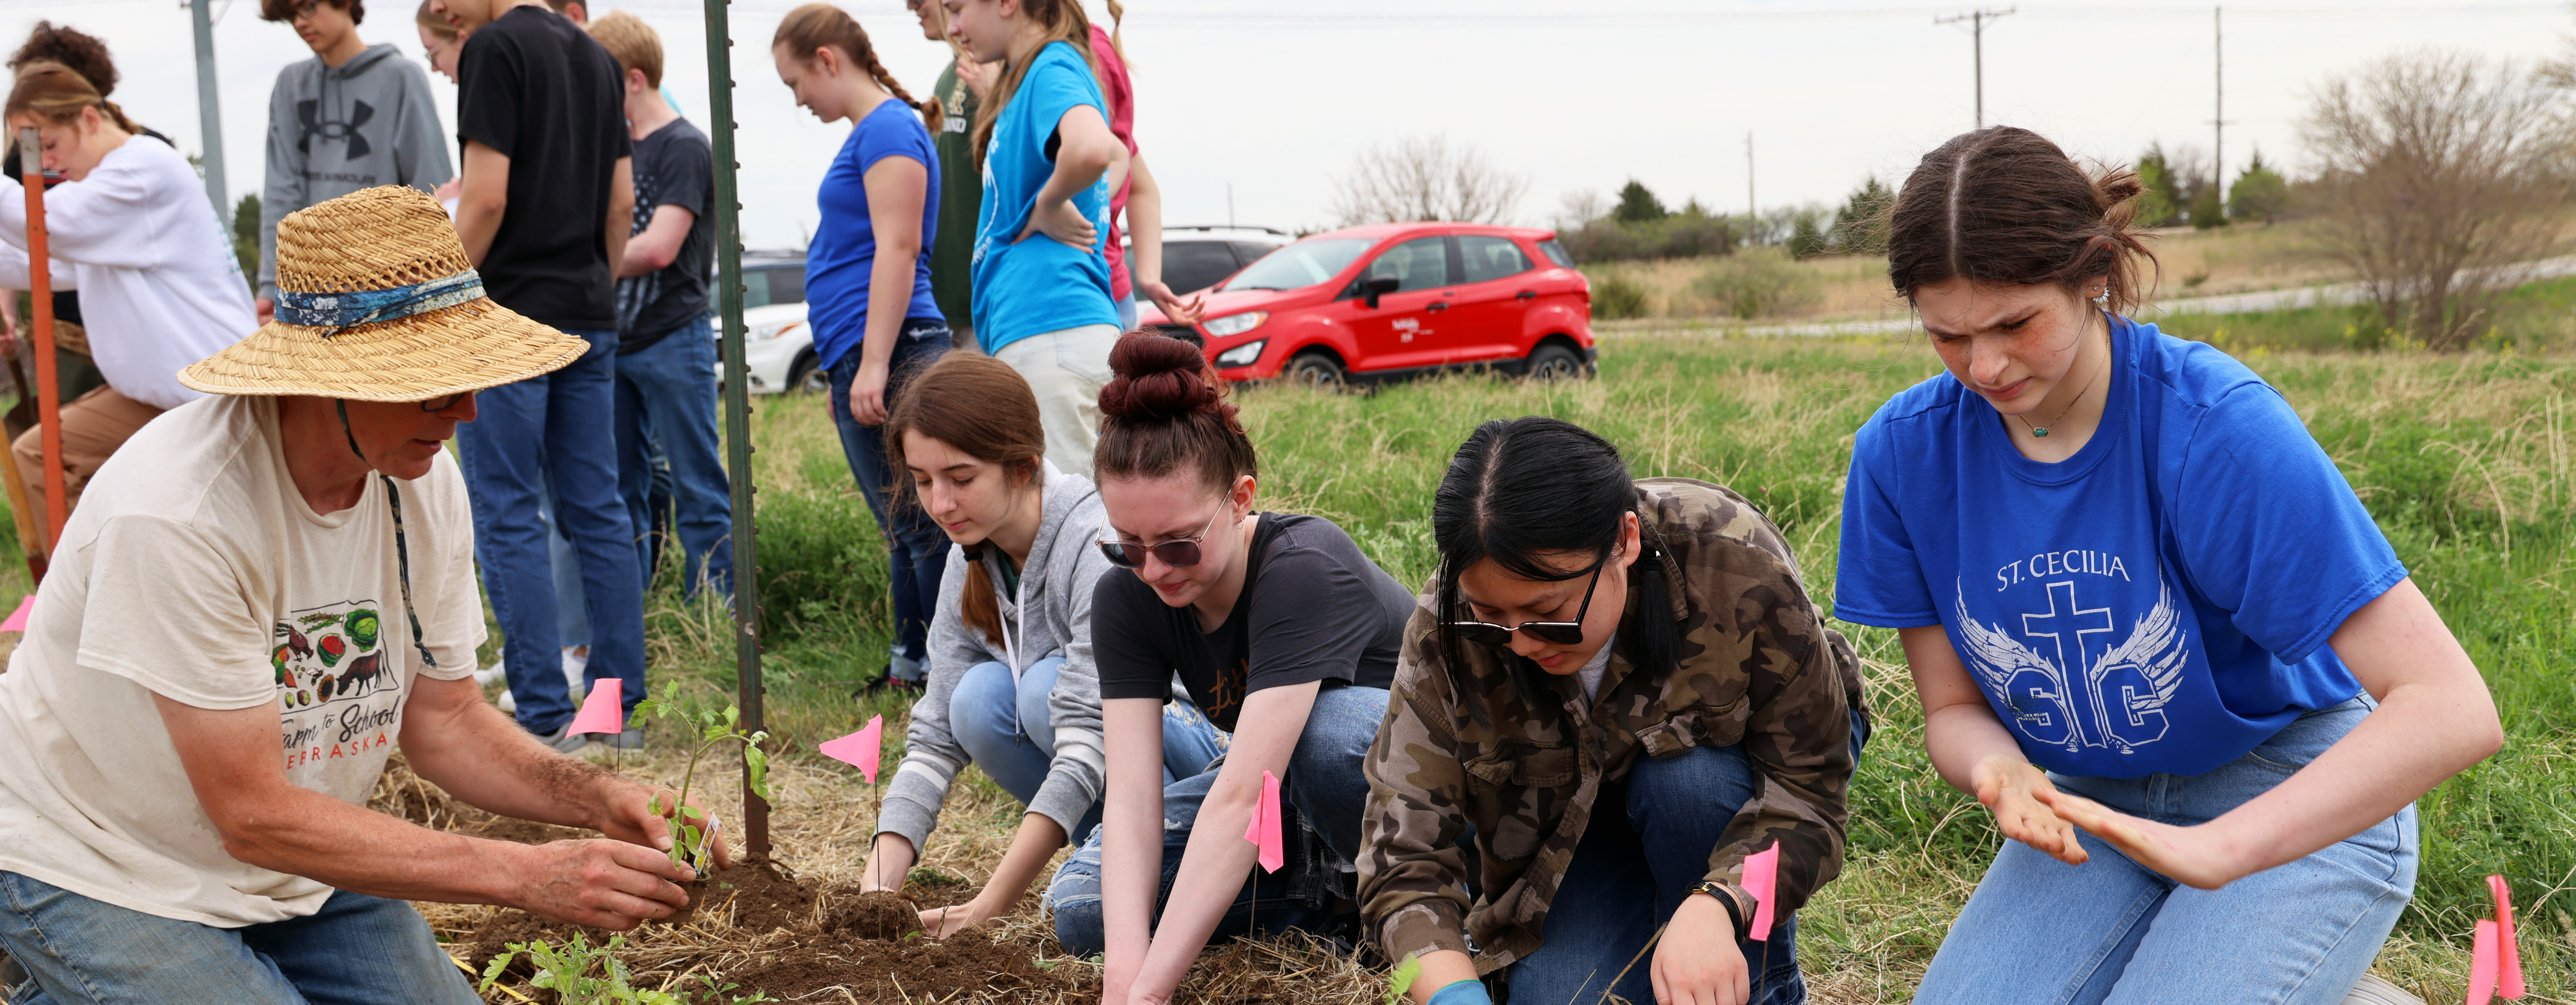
[(1041, 281), (2153, 629), (881, 194)]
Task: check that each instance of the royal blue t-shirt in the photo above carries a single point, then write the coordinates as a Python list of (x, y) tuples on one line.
[(1039, 285), (2157, 603), (844, 248)]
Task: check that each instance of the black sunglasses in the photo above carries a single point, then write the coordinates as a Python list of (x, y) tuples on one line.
[(1180, 554), (443, 404), (1563, 633)]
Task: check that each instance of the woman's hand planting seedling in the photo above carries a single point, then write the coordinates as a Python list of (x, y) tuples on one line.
[(693, 833)]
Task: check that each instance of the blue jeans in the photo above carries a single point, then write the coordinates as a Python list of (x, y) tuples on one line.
[(1127, 314), (1005, 728), (1324, 785), (563, 566), (2039, 930), (357, 950), (666, 398), (916, 549), (544, 435)]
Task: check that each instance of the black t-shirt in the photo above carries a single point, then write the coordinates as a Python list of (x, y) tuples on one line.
[(674, 166), (538, 90), (1312, 608)]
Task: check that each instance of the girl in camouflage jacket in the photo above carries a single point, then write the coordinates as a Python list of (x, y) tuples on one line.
[(1666, 702)]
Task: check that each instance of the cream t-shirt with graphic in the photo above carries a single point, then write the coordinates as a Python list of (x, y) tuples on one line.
[(194, 570)]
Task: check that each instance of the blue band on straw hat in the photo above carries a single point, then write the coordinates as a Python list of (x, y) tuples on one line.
[(335, 311)]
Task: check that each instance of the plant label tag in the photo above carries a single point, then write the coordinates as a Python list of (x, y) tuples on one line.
[(1264, 829), (860, 749), (1762, 880), (601, 712)]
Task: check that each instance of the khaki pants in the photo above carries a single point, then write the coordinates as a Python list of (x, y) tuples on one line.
[(94, 425), (1067, 369)]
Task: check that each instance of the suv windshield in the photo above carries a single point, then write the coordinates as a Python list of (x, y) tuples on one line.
[(1304, 263)]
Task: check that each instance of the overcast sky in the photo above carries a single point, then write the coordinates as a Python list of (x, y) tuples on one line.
[(1271, 100)]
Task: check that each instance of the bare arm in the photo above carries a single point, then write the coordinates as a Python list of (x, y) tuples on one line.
[(1086, 152), (2435, 719), (621, 210), (1218, 859), (1973, 753), (896, 186), (1145, 250), (1131, 854), (659, 244), (1032, 847), (233, 767), (485, 197)]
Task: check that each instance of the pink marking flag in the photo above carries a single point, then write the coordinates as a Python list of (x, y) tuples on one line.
[(2508, 955), (600, 712), (1264, 829), (18, 622), (859, 749), (1762, 880), (2482, 964)]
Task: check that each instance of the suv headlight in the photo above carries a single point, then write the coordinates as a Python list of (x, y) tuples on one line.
[(763, 333), (1242, 355), (1236, 324)]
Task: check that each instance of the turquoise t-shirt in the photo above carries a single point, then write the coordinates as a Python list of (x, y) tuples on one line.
[(1039, 285), (2159, 602)]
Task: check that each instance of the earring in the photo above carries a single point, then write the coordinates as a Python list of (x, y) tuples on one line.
[(2102, 296)]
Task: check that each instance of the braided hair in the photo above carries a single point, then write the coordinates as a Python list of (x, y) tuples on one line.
[(811, 28)]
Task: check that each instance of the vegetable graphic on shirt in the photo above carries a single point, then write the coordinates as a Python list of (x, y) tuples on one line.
[(364, 626), (332, 649), (277, 658)]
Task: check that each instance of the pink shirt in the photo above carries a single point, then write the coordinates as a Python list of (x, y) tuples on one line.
[(1122, 123)]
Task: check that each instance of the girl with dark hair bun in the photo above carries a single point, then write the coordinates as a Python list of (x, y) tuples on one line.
[(1283, 636), (1617, 689), (2153, 629)]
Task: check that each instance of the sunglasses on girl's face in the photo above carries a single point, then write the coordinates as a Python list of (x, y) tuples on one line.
[(1179, 554), (1562, 633)]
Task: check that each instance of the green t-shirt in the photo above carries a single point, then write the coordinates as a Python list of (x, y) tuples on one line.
[(961, 193)]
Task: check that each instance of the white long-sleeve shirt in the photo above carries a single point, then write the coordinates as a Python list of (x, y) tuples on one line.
[(160, 288)]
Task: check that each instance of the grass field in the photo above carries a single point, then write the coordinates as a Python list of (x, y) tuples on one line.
[(2469, 463)]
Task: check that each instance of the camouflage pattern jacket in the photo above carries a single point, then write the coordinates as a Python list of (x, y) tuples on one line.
[(1459, 746)]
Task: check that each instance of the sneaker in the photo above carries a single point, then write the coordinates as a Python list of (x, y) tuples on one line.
[(568, 742), (489, 674), (509, 705), (576, 664)]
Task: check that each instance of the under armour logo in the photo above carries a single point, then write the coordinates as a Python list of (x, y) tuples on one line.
[(309, 113)]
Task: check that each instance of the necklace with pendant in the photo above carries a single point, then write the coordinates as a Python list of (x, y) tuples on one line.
[(2042, 431)]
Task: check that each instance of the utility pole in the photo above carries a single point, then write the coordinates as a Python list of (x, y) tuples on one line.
[(210, 119), (2218, 108), (1977, 27), (1752, 215)]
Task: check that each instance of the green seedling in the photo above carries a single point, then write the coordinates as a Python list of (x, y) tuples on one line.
[(1401, 982), (691, 837), (582, 974)]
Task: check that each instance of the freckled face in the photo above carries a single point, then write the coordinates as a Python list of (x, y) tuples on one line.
[(2012, 345)]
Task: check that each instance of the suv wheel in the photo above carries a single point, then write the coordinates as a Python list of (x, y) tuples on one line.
[(806, 375), (1315, 368), (1552, 362)]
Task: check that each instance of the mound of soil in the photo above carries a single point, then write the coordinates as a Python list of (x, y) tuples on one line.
[(876, 970), (757, 893), (882, 915)]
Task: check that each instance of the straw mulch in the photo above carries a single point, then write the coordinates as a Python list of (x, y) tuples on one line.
[(799, 933)]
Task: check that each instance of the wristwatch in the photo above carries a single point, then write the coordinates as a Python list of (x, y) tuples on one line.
[(1725, 898)]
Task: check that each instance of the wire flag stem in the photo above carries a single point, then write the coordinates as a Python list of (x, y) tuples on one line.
[(737, 410)]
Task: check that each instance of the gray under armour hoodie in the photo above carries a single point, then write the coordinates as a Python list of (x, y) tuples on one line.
[(335, 130), (1051, 616)]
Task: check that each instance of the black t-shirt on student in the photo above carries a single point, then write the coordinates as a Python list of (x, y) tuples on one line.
[(538, 90), (1313, 608), (674, 166)]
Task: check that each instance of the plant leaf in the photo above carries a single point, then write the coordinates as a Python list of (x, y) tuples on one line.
[(756, 764), (1401, 982)]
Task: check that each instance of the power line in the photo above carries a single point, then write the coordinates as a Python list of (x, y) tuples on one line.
[(1976, 20), (1359, 20)]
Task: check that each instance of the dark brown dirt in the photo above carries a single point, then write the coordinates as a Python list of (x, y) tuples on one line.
[(914, 967), (881, 915), (760, 895)]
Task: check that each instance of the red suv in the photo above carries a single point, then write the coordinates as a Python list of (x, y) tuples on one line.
[(1400, 299)]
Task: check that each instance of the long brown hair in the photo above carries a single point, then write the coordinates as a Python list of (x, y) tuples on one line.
[(2003, 206), (1063, 21), (83, 52), (983, 407), (1164, 412), (808, 29), (56, 93)]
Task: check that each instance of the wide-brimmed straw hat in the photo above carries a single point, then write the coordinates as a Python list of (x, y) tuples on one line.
[(376, 301)]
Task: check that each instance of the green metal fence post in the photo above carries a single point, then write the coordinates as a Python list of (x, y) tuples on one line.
[(737, 409)]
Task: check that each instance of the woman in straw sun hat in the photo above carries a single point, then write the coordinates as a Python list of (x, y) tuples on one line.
[(288, 564)]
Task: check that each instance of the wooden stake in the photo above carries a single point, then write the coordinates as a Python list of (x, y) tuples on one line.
[(40, 283)]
